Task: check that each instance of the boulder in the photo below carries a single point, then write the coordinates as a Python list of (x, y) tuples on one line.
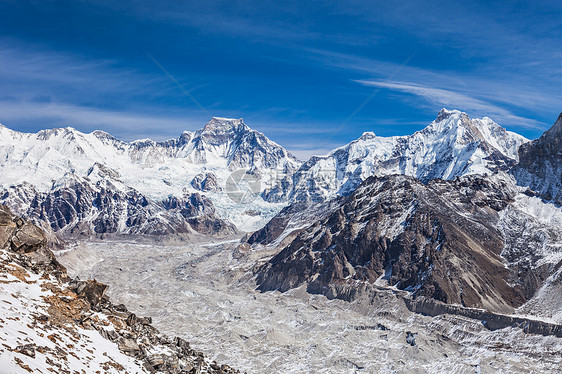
[(92, 291)]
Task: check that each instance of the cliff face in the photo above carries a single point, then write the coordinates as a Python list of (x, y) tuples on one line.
[(438, 240), (54, 323), (83, 207), (540, 164)]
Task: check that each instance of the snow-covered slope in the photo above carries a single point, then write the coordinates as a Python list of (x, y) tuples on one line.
[(52, 323), (453, 145), (156, 169), (248, 177)]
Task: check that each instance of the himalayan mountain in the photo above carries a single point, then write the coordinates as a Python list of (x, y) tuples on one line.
[(461, 218), (462, 212), (94, 184)]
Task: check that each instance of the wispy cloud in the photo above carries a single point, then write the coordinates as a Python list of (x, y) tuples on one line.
[(456, 100), (499, 86), (125, 125), (26, 66), (48, 88)]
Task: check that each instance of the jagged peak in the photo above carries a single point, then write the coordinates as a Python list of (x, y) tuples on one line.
[(60, 129), (448, 120), (102, 135), (367, 135), (144, 141), (219, 127), (221, 123), (68, 179), (445, 113), (555, 130)]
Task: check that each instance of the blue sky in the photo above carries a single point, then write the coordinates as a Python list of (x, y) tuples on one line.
[(311, 75)]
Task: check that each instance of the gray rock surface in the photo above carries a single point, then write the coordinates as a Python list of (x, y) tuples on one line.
[(540, 164)]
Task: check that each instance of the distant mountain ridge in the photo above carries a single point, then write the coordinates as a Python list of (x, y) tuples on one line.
[(489, 240), (453, 145), (154, 170), (42, 157)]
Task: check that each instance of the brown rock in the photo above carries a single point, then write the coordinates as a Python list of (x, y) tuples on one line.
[(128, 345), (27, 349), (93, 291), (28, 238)]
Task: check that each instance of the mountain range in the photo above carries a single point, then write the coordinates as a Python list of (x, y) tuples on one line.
[(84, 185), (65, 162), (462, 217), (486, 237)]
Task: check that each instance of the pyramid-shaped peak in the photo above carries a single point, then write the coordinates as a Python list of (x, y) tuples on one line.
[(448, 120), (556, 129), (220, 124), (445, 113)]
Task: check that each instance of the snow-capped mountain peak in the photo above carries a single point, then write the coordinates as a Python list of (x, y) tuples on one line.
[(155, 169), (225, 125), (451, 146)]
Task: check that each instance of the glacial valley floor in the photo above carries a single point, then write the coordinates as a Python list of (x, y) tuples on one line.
[(203, 291)]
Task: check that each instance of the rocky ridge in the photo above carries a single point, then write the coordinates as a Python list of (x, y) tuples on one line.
[(56, 323), (100, 204), (540, 164), (451, 146), (467, 241), (437, 240)]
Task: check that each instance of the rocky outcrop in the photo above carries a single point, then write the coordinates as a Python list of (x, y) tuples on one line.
[(18, 234), (206, 182), (540, 164), (490, 320), (199, 212), (81, 207), (438, 240), (72, 307)]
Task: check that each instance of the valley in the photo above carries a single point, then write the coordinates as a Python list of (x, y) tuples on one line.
[(205, 293), (368, 259)]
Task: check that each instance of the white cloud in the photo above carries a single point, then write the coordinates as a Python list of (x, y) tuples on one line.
[(456, 100), (125, 125)]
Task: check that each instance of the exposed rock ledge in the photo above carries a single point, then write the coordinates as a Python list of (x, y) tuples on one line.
[(430, 307), (490, 320)]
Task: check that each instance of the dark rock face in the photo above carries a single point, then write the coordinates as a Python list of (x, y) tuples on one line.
[(206, 182), (18, 234), (492, 321), (540, 164), (198, 211), (437, 240), (81, 208), (92, 291)]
